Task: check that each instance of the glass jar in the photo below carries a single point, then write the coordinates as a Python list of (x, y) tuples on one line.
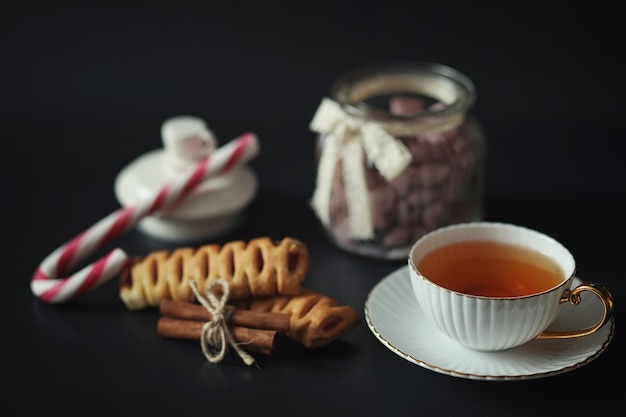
[(398, 155)]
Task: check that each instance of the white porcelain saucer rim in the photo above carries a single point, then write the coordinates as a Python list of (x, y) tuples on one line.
[(460, 374)]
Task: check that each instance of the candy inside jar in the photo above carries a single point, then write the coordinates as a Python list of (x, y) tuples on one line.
[(398, 156)]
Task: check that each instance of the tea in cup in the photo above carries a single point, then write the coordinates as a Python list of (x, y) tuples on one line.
[(494, 286)]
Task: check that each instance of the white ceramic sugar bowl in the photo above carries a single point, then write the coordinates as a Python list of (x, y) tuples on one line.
[(213, 208)]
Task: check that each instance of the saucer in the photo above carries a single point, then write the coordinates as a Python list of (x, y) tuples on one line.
[(395, 318)]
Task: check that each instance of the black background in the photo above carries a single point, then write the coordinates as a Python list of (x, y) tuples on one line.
[(84, 89), (101, 79)]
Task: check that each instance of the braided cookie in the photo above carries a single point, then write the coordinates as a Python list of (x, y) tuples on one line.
[(315, 319), (258, 268)]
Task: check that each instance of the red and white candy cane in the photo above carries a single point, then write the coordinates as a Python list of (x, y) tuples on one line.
[(46, 283)]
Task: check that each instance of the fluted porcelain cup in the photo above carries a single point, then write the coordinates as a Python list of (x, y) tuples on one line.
[(490, 323)]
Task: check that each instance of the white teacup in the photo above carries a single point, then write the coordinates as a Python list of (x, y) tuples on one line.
[(455, 277)]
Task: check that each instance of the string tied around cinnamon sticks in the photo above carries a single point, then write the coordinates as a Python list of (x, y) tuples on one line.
[(216, 337)]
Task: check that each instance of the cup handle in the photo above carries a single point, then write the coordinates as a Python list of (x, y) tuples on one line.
[(573, 297)]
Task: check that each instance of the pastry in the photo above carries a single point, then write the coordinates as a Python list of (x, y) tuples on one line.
[(258, 268), (315, 319)]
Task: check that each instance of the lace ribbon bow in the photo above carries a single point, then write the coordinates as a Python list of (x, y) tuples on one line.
[(216, 336), (349, 137)]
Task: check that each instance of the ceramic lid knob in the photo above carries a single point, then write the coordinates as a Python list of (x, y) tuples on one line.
[(186, 140)]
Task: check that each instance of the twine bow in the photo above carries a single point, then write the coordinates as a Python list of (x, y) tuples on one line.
[(349, 137), (216, 336)]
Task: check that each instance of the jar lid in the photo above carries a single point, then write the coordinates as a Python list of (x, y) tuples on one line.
[(214, 207)]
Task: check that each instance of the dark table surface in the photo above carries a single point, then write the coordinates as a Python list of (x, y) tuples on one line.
[(83, 91)]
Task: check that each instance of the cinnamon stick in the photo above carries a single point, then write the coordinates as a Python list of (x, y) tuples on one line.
[(244, 318), (257, 340)]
